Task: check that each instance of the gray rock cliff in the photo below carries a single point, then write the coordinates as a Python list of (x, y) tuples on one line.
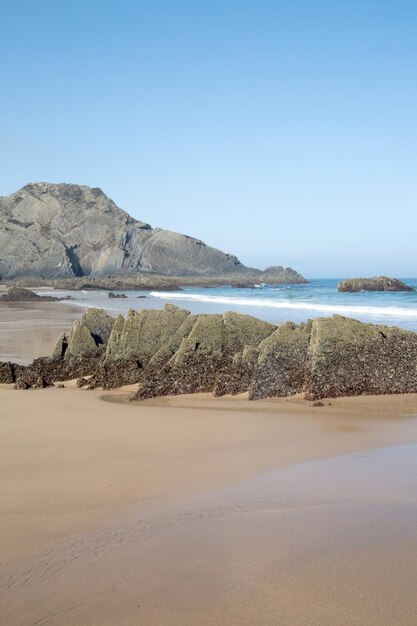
[(61, 231)]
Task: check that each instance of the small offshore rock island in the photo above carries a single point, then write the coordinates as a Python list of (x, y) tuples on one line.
[(172, 352), (378, 283)]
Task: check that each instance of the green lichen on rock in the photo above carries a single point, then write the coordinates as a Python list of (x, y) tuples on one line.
[(169, 348), (143, 333), (206, 356), (88, 334), (243, 330), (282, 363), (348, 357)]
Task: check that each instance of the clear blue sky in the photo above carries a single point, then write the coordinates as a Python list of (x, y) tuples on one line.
[(283, 132)]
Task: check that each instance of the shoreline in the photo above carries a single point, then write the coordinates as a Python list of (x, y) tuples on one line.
[(241, 437), (118, 513)]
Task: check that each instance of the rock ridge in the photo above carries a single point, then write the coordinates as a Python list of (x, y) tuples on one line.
[(171, 352)]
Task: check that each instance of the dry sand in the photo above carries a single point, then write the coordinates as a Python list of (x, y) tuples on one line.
[(198, 510)]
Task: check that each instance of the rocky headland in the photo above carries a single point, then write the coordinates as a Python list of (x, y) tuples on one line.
[(69, 232), (378, 283), (171, 352)]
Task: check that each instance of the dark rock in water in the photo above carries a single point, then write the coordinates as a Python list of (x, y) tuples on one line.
[(163, 288), (141, 296), (19, 294), (379, 283), (116, 295)]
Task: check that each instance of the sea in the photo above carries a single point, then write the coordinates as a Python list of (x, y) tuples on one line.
[(274, 303)]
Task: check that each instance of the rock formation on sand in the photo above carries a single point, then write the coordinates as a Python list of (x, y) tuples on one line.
[(77, 353), (379, 283), (170, 352), (59, 231), (19, 294)]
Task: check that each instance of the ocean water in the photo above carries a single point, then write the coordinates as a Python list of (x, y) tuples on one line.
[(276, 304)]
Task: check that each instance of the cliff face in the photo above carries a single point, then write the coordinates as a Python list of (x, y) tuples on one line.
[(59, 231)]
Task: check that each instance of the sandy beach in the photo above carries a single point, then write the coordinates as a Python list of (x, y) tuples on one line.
[(29, 330), (200, 510)]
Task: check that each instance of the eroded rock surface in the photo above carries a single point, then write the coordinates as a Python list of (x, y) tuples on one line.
[(282, 364), (350, 358), (171, 352), (57, 231)]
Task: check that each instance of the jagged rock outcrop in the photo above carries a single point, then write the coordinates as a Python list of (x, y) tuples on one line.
[(378, 283), (282, 364), (62, 230), (88, 334), (19, 294), (350, 358), (77, 353), (208, 356), (170, 352), (135, 341)]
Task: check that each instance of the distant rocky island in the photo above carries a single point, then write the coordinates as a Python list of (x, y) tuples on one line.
[(378, 283), (65, 233), (171, 352)]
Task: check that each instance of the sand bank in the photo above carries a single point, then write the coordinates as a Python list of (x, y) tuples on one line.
[(301, 545), (111, 512)]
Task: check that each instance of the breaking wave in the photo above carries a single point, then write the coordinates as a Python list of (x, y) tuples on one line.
[(341, 309)]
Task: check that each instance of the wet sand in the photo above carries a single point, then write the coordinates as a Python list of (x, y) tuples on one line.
[(29, 330), (301, 545), (106, 506), (200, 510)]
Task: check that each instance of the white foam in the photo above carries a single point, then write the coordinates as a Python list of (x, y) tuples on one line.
[(341, 309)]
